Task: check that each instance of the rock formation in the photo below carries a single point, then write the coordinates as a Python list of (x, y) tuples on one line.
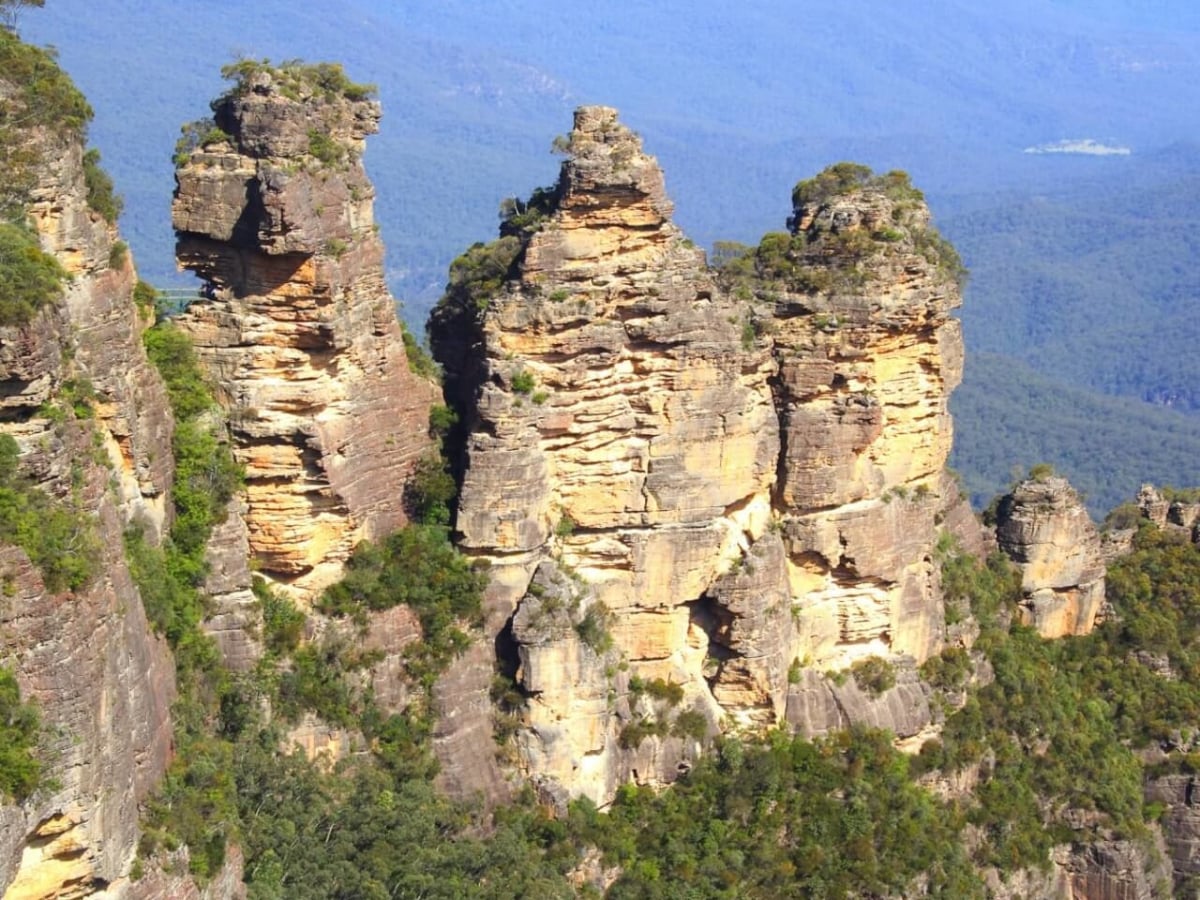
[(1180, 515), (102, 681), (274, 211), (730, 481), (1045, 529), (1180, 823)]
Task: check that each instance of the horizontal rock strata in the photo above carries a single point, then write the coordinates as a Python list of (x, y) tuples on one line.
[(297, 327), (741, 480)]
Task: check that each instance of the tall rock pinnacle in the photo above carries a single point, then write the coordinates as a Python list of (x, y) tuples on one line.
[(692, 482), (274, 211)]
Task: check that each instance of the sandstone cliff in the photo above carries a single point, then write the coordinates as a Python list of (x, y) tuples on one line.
[(274, 211), (91, 419), (717, 482), (1045, 529)]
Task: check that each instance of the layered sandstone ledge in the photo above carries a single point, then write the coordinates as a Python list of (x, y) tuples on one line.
[(274, 211), (737, 484)]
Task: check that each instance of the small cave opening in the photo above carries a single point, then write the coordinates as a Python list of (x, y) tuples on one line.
[(716, 622), (506, 647)]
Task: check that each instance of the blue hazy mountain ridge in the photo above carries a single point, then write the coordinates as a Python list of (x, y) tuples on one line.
[(1120, 267), (738, 102), (1007, 414)]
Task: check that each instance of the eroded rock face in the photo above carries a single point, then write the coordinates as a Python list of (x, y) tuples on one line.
[(743, 483), (106, 339), (1045, 529), (298, 328), (102, 681), (1180, 795), (620, 427)]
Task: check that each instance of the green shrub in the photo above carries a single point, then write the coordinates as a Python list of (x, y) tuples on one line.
[(690, 724), (795, 672), (145, 297), (523, 382), (194, 135), (20, 767), (477, 275), (419, 361), (324, 148), (633, 734), (875, 675), (949, 670), (593, 628), (173, 355), (59, 537), (430, 491), (749, 333), (45, 95), (206, 478), (316, 680), (523, 217), (29, 278), (283, 623), (166, 583), (840, 178), (118, 254), (336, 248), (100, 196), (441, 419), (1041, 472), (294, 76), (419, 567), (667, 691), (39, 101)]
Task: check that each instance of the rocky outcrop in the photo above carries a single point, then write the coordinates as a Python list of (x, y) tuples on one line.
[(818, 705), (165, 878), (91, 419), (619, 427), (741, 479), (1178, 514), (1045, 529), (1179, 796), (274, 211), (1114, 870)]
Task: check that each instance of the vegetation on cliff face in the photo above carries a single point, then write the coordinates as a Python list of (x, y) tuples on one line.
[(20, 766), (58, 536), (1054, 733), (29, 278), (206, 477), (40, 101), (416, 566), (815, 257), (296, 78), (196, 804)]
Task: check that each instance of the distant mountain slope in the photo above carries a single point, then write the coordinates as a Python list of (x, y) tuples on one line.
[(1008, 417), (1097, 284), (738, 101)]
